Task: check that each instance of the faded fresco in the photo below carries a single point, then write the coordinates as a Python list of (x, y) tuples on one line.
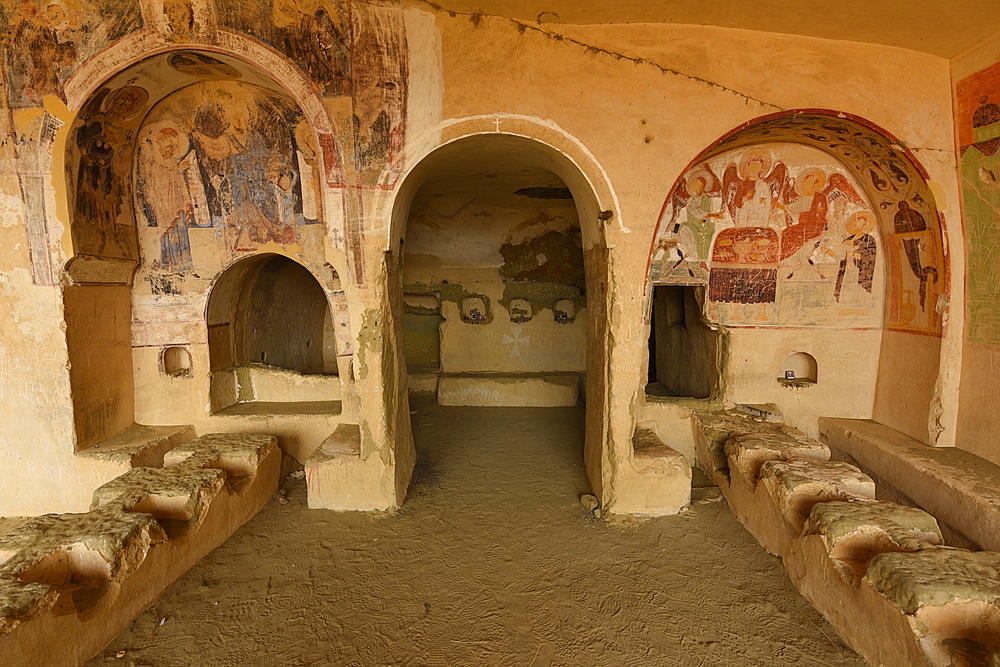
[(978, 118), (228, 156), (380, 85), (356, 50), (101, 145), (780, 234), (315, 34), (48, 38)]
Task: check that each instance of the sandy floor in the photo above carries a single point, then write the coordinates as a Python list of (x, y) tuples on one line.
[(491, 561)]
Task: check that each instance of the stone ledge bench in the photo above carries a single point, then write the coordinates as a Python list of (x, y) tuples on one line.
[(951, 598), (875, 570), (960, 489), (656, 481), (854, 531), (83, 577)]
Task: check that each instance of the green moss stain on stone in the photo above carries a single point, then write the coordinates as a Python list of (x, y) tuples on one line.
[(369, 339)]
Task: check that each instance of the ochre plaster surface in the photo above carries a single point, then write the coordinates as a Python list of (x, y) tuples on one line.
[(160, 160)]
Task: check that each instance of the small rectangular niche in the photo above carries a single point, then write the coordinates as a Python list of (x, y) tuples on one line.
[(175, 361), (683, 349)]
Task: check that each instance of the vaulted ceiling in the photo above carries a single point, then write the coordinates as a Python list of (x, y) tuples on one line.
[(940, 27)]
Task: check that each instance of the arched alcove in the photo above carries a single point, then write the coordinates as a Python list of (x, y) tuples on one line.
[(799, 368), (271, 335), (514, 221), (178, 164), (814, 227)]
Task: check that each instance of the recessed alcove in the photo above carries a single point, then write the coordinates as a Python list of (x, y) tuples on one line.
[(683, 349), (475, 310), (798, 369), (520, 310), (176, 361), (564, 311), (271, 339)]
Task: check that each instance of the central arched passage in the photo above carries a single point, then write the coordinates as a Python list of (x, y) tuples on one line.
[(498, 242)]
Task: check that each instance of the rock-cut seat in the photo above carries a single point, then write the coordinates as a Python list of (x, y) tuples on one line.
[(952, 598), (796, 486), (56, 554), (748, 453), (855, 531)]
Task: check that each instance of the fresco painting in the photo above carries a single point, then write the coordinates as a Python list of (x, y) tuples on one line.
[(380, 71), (978, 118), (101, 141), (785, 225), (229, 156), (51, 37), (313, 33)]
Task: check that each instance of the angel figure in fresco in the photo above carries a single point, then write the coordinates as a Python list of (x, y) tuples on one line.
[(692, 223), (745, 256), (807, 203)]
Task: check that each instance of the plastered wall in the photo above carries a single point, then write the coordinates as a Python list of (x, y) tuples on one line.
[(628, 107), (976, 75)]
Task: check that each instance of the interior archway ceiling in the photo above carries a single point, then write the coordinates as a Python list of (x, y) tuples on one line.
[(166, 73), (931, 26)]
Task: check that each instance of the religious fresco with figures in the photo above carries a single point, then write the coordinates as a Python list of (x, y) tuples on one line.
[(227, 156), (978, 118), (101, 152), (49, 38), (780, 234), (353, 56), (806, 220), (349, 50)]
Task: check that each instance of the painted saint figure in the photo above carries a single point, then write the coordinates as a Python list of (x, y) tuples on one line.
[(171, 189), (911, 228), (693, 200), (859, 256)]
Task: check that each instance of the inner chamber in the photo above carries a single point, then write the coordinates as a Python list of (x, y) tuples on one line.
[(495, 304)]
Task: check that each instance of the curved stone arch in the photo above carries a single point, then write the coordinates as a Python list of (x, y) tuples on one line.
[(887, 171), (97, 70), (544, 133), (228, 289), (909, 357), (281, 76), (597, 206)]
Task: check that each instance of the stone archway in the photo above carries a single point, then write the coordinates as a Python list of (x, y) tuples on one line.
[(532, 152), (828, 181), (180, 163)]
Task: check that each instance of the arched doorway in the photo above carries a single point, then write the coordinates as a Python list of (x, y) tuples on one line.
[(271, 337), (503, 279)]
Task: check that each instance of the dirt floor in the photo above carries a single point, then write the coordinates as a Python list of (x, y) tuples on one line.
[(491, 561)]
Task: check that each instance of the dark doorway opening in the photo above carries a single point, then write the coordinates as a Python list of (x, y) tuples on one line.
[(683, 348)]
